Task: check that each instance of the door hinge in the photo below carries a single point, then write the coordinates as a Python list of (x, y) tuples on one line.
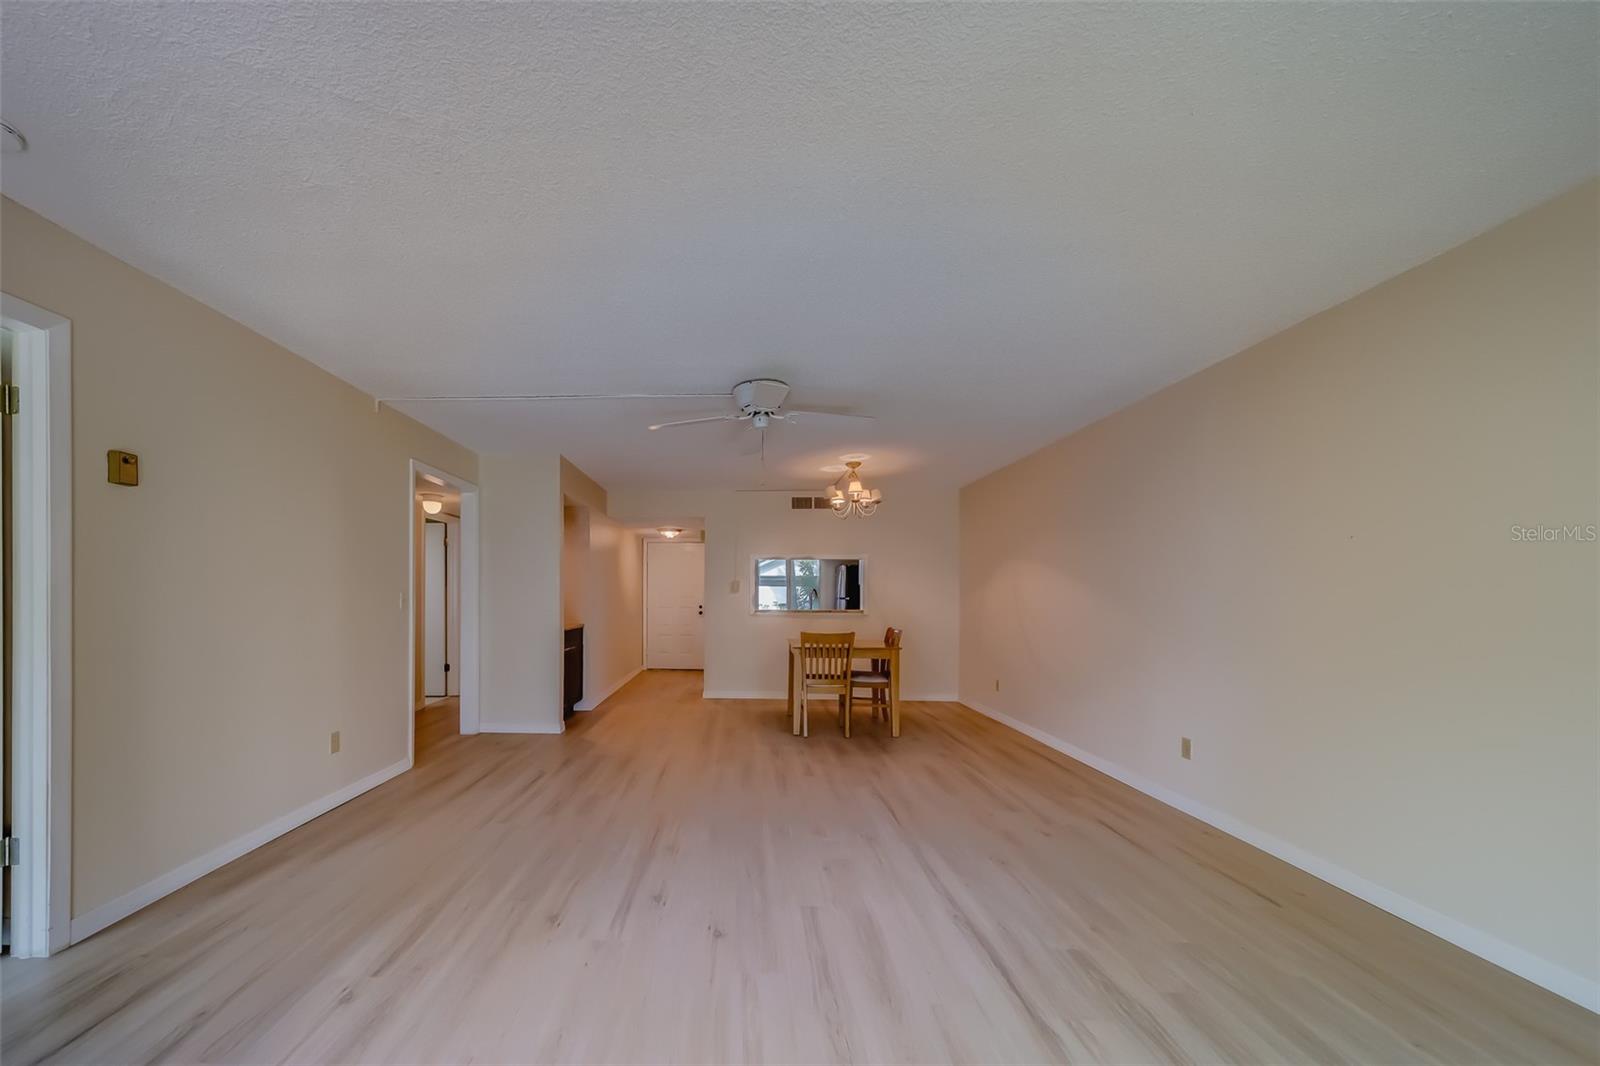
[(10, 851), (10, 399)]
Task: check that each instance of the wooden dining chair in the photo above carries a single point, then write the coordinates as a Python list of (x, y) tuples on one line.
[(876, 679), (825, 671)]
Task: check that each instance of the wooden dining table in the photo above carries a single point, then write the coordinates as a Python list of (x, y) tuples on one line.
[(876, 650)]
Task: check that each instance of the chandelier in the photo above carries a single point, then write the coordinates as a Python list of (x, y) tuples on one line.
[(853, 498)]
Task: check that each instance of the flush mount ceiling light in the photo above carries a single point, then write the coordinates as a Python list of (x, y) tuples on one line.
[(13, 140), (432, 504), (669, 531), (853, 497)]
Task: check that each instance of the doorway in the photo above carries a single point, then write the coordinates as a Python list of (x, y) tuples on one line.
[(7, 580), (442, 601), (674, 605), (441, 611), (36, 769)]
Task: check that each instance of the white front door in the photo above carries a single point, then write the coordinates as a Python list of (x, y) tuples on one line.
[(674, 605)]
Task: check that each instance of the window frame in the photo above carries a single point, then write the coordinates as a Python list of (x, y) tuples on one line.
[(789, 611)]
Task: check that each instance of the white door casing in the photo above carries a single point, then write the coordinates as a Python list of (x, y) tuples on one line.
[(674, 601), (40, 770), (5, 744)]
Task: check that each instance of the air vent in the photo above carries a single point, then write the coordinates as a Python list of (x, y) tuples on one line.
[(801, 503)]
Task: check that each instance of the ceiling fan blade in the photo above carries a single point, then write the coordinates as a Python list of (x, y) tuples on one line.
[(522, 397), (790, 411), (692, 421)]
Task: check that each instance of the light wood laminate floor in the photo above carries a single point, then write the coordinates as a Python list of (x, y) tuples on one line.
[(683, 880)]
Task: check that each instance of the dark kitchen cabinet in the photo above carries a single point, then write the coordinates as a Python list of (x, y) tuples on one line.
[(572, 669)]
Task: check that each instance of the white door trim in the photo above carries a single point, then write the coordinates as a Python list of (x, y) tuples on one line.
[(468, 547), (41, 768)]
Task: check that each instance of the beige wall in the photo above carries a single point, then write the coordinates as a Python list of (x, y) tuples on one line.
[(613, 607), (574, 564), (581, 489), (601, 566), (1303, 558), (247, 598), (521, 533), (911, 550)]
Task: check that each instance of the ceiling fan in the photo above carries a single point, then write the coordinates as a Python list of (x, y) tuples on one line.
[(760, 402)]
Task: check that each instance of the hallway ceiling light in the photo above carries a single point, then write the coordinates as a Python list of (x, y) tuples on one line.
[(854, 498), (669, 531), (432, 504)]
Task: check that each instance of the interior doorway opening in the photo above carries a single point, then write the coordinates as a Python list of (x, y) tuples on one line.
[(440, 600), (36, 764), (443, 651), (8, 579)]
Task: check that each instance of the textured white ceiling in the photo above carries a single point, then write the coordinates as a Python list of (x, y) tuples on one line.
[(987, 224)]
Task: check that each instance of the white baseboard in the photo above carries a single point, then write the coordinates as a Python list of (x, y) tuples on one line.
[(86, 925), (589, 705), (1542, 972), (536, 728), (778, 694)]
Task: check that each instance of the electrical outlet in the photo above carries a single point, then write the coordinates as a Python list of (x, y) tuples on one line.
[(333, 742), (733, 587), (1184, 747)]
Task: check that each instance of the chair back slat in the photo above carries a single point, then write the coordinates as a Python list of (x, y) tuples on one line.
[(826, 656)]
